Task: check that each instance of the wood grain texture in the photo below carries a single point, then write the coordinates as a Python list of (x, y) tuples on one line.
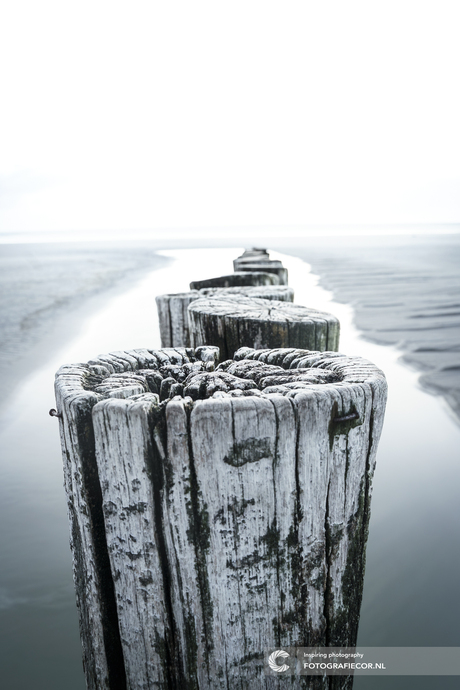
[(253, 255), (173, 309), (283, 293), (267, 266), (239, 278), (258, 259), (173, 318), (78, 389), (235, 509), (230, 323)]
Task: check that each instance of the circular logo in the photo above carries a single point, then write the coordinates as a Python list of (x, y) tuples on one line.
[(272, 661)]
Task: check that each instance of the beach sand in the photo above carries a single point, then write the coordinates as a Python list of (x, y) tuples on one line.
[(413, 555), (47, 290), (405, 291)]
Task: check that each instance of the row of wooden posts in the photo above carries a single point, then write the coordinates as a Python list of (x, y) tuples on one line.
[(219, 489)]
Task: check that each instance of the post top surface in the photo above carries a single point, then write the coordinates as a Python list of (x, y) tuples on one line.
[(197, 375)]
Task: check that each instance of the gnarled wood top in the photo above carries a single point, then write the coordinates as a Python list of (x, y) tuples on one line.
[(195, 374)]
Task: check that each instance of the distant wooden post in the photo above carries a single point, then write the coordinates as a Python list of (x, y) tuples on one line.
[(275, 267), (253, 255), (259, 260), (282, 293), (239, 278), (216, 512), (173, 315), (230, 323)]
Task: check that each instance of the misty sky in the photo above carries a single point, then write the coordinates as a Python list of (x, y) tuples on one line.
[(120, 115)]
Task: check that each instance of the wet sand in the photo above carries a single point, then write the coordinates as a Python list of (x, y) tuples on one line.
[(405, 291), (413, 551), (38, 617), (47, 290)]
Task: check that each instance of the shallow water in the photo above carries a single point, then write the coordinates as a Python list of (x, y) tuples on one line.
[(46, 290), (38, 618), (405, 292), (413, 553)]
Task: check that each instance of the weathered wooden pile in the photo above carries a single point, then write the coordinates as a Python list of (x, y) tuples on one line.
[(173, 313), (219, 501), (259, 260)]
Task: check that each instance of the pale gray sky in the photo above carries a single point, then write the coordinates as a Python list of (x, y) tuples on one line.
[(200, 113)]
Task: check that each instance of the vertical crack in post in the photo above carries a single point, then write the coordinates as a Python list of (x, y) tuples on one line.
[(275, 462), (91, 483), (199, 535), (236, 538), (299, 589), (366, 511), (154, 461), (347, 463), (328, 345), (170, 320), (328, 586), (366, 505)]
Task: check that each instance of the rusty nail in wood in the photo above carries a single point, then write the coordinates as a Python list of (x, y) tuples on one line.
[(347, 417), (54, 413)]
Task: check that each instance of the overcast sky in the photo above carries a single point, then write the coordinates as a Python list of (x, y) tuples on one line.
[(119, 115)]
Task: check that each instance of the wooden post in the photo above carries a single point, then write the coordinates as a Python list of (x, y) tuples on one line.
[(173, 314), (173, 318), (230, 323), (78, 389), (239, 278), (253, 255), (216, 512), (282, 293), (275, 267), (259, 260)]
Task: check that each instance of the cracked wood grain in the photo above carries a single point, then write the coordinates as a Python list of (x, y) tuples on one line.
[(173, 309), (237, 279), (234, 515), (230, 323), (259, 260)]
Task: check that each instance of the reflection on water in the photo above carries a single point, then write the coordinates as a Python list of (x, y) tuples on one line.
[(413, 550)]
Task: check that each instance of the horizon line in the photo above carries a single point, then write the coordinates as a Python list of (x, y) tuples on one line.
[(285, 233)]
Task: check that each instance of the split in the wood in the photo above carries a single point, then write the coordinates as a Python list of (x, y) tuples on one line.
[(232, 322), (173, 314), (235, 506), (237, 279)]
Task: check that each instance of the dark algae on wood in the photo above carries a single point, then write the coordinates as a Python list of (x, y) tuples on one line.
[(229, 323), (237, 279), (173, 309), (174, 318), (217, 510), (259, 260)]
